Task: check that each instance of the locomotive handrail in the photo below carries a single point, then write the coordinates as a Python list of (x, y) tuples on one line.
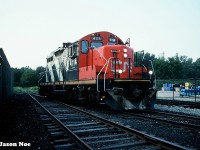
[(99, 74), (43, 73), (101, 69), (50, 71), (105, 73), (107, 61), (153, 72)]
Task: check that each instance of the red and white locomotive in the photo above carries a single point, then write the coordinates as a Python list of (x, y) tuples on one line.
[(99, 68)]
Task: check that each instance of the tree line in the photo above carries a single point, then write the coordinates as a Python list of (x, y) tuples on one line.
[(176, 67), (26, 76)]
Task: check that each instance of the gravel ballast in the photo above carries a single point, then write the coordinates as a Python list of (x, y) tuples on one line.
[(21, 126), (182, 136), (20, 122)]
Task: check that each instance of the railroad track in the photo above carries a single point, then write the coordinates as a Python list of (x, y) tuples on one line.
[(183, 121), (62, 136), (88, 131), (189, 104)]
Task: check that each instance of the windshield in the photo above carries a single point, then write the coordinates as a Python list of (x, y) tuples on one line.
[(96, 44)]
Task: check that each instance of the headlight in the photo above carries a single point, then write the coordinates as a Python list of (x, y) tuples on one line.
[(120, 71), (125, 50), (150, 72), (125, 55)]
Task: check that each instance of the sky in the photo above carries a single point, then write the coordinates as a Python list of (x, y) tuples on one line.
[(31, 29)]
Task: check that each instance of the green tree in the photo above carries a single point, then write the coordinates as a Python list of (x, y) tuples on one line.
[(40, 72), (28, 78), (187, 67), (17, 75), (174, 67), (196, 67), (149, 56), (161, 68)]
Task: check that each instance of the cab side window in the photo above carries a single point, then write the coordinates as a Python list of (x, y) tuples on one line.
[(84, 45)]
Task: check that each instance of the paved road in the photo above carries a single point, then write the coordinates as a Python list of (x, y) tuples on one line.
[(170, 94)]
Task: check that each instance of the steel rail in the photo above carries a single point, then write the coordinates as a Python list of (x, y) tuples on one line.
[(80, 142), (178, 124), (192, 118), (189, 104), (146, 137)]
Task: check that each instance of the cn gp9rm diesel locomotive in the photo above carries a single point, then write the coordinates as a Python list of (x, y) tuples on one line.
[(99, 68)]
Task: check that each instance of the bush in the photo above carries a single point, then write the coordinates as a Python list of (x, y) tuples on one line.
[(19, 89)]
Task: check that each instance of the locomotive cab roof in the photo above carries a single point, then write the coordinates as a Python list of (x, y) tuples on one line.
[(111, 39), (98, 36)]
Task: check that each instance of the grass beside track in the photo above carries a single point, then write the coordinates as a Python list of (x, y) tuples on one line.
[(19, 89)]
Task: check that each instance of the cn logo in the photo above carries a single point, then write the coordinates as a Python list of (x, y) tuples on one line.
[(125, 65)]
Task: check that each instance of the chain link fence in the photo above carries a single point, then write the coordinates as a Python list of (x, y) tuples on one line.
[(178, 89)]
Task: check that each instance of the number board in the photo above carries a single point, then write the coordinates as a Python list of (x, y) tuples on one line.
[(96, 38)]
